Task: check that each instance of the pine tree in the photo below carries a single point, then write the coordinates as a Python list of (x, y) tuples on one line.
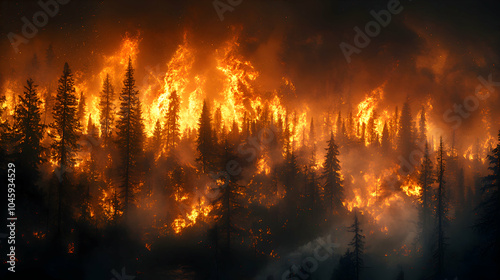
[(426, 181), (293, 130), (172, 128), (48, 100), (287, 145), (405, 135), (350, 126), (106, 124), (92, 130), (157, 139), (441, 213), (291, 173), (217, 123), (65, 131), (228, 204), (333, 186), (372, 135), (386, 142), (394, 127), (130, 138), (205, 140), (82, 108), (245, 129), (90, 177), (358, 246), (488, 223), (107, 110), (346, 269), (28, 133), (234, 133), (338, 126), (312, 187), (422, 127), (312, 143), (312, 193), (327, 124)]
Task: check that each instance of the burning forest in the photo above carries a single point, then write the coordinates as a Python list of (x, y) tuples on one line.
[(250, 140)]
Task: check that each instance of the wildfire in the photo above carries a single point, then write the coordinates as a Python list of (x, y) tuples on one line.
[(369, 104), (197, 210), (263, 165), (177, 79), (191, 213), (239, 100), (469, 154), (115, 64), (109, 204), (39, 234), (71, 248), (357, 202), (180, 198), (238, 75), (238, 94), (369, 197), (10, 89), (412, 188)]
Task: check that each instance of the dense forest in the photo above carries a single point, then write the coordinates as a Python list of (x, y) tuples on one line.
[(242, 196)]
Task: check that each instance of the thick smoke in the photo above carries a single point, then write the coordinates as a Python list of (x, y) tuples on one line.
[(427, 50)]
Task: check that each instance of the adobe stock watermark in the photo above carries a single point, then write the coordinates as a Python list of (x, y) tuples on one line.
[(153, 76), (471, 102), (456, 115), (372, 29), (222, 6), (123, 276), (50, 8), (309, 265)]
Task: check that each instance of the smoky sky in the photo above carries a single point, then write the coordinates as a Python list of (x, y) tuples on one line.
[(431, 48)]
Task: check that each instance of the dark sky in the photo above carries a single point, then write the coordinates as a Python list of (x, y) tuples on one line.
[(298, 21)]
